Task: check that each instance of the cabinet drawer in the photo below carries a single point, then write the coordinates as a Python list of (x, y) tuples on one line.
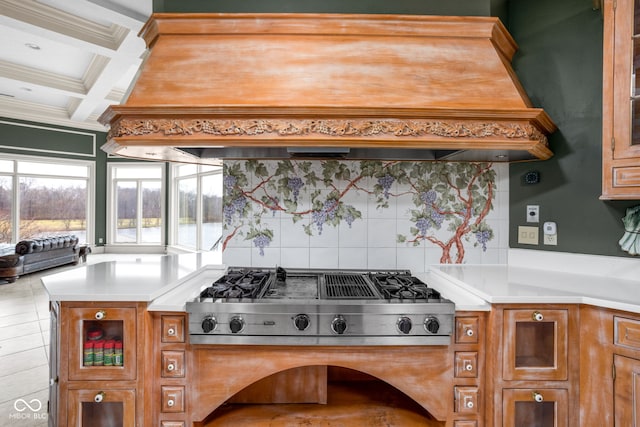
[(467, 330), (627, 332), (466, 364), (172, 364), (465, 423), (466, 399), (171, 423), (626, 176), (172, 399), (172, 329)]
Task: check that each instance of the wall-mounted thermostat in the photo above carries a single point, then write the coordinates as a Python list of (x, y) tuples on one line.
[(550, 228)]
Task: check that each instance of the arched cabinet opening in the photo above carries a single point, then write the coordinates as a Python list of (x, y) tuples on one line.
[(319, 396)]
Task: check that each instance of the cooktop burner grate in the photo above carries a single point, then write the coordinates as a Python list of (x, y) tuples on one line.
[(346, 286)]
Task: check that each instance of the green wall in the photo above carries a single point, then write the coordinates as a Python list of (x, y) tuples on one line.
[(411, 7), (559, 62)]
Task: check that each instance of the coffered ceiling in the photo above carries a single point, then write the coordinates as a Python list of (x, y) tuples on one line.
[(63, 62)]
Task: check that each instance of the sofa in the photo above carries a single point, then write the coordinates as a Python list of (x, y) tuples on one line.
[(39, 254)]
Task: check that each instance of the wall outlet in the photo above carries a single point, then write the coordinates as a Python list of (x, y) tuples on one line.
[(550, 239), (528, 235), (533, 213), (100, 240)]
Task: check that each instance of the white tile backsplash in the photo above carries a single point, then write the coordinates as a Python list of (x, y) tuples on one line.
[(356, 232)]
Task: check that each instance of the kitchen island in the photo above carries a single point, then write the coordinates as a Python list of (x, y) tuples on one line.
[(490, 378)]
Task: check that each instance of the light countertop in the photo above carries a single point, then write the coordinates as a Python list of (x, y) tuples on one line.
[(140, 279), (167, 282), (512, 284)]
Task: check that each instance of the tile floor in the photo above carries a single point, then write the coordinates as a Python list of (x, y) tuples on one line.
[(24, 347)]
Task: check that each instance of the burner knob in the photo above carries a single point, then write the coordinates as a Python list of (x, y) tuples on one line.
[(209, 324), (236, 324), (339, 324), (404, 324), (301, 322), (432, 325)]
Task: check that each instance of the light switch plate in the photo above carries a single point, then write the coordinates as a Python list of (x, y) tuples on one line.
[(528, 235)]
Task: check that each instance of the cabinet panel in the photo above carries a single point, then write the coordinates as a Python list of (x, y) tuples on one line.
[(627, 332), (535, 344), (467, 330), (535, 407), (172, 399), (466, 364), (101, 408), (627, 392), (85, 325), (172, 364), (466, 399), (172, 329)]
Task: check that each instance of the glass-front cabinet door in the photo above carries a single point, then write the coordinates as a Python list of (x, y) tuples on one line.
[(621, 100), (535, 344), (102, 344), (102, 408)]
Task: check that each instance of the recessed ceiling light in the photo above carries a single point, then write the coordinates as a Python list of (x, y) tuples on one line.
[(6, 95), (32, 46), (26, 89)]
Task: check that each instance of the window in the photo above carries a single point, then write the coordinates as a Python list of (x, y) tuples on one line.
[(197, 206), (40, 197), (137, 203)]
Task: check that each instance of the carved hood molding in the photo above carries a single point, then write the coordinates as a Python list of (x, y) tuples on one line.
[(218, 86)]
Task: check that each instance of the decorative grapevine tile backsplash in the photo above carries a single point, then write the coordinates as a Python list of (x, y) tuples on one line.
[(364, 214)]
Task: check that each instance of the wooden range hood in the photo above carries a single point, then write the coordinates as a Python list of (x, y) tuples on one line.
[(218, 86)]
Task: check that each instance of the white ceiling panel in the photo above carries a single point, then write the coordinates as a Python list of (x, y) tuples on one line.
[(52, 56), (89, 54)]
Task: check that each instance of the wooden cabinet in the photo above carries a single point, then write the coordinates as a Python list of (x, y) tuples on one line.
[(169, 369), (610, 367), (534, 383), (621, 100), (535, 344), (535, 407), (468, 368), (100, 383), (102, 407), (54, 362), (113, 323), (627, 391)]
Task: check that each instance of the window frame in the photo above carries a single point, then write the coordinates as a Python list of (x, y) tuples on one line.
[(112, 204), (174, 204), (90, 182)]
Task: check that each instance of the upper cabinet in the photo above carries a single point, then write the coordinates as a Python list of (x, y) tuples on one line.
[(621, 100)]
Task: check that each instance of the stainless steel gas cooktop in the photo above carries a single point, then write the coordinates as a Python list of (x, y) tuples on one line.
[(319, 307)]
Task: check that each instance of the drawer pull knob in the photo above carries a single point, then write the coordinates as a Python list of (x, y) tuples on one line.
[(99, 397), (100, 315), (171, 367), (468, 367), (537, 316), (171, 331), (469, 332), (537, 397), (469, 404), (171, 403)]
